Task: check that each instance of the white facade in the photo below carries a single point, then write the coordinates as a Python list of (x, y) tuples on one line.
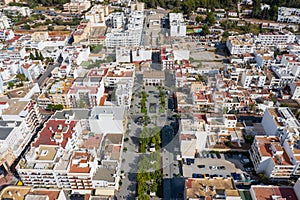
[(177, 25), (97, 15), (276, 38), (240, 44), (253, 77), (289, 15)]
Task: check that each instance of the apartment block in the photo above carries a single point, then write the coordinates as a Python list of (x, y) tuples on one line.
[(277, 121), (241, 44), (77, 6), (276, 38), (177, 25), (288, 15), (273, 157), (97, 15), (253, 78)]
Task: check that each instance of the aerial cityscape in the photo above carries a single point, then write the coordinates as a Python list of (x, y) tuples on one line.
[(149, 99)]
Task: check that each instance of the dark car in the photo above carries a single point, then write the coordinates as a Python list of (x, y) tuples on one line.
[(218, 155), (201, 166)]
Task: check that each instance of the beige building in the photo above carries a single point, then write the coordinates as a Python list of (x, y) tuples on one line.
[(153, 78), (82, 32), (77, 6), (216, 188)]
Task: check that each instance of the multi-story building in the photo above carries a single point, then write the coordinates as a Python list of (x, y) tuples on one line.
[(32, 69), (77, 6), (86, 94), (171, 57), (295, 90), (274, 158), (125, 34), (4, 22), (82, 32), (276, 38), (97, 15), (253, 77), (177, 25), (19, 121), (260, 192), (241, 44), (120, 73), (288, 15), (57, 94), (6, 34), (277, 121)]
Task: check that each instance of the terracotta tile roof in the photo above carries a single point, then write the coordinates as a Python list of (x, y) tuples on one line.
[(79, 162), (51, 128), (267, 192)]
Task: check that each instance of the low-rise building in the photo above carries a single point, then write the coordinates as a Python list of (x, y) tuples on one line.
[(154, 78), (215, 188), (77, 6)]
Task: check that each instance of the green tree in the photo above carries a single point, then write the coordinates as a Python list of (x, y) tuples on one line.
[(143, 197), (41, 57), (153, 187), (205, 30), (256, 10), (211, 18), (199, 19), (11, 85), (26, 27), (31, 56), (21, 77)]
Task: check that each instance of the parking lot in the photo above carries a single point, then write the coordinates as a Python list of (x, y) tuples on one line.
[(209, 165)]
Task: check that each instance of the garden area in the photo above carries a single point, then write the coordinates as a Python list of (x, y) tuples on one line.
[(162, 99), (149, 176), (150, 137)]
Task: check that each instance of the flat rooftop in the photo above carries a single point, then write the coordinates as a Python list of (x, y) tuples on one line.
[(15, 107)]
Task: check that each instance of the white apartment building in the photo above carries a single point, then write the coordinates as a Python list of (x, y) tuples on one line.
[(19, 121), (77, 6), (278, 121), (253, 78), (288, 15), (76, 54), (13, 52), (125, 35), (127, 38), (276, 38), (241, 44), (32, 69), (24, 11), (120, 73), (295, 90), (177, 25), (6, 34), (85, 93), (116, 20), (97, 15), (274, 158), (4, 22), (123, 94)]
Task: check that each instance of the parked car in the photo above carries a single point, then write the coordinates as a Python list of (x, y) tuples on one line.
[(201, 166), (213, 167), (218, 155)]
